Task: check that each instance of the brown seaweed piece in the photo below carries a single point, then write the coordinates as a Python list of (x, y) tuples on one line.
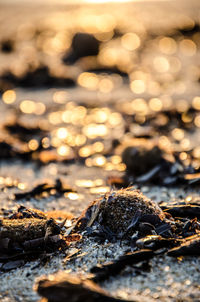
[(27, 234), (59, 187), (155, 242), (69, 287), (191, 246), (24, 212), (39, 77), (104, 271), (190, 211)]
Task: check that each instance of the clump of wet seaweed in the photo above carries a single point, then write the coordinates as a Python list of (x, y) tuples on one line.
[(28, 234), (120, 212)]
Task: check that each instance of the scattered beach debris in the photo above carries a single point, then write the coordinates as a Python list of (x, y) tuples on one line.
[(57, 188), (128, 215), (191, 246), (67, 127), (39, 77), (103, 272), (24, 132), (27, 234), (154, 165)]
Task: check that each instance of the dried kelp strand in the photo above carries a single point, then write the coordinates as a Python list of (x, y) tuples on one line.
[(102, 272), (189, 247), (155, 242), (190, 211)]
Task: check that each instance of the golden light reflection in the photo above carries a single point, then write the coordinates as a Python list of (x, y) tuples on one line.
[(33, 144), (105, 85), (182, 105), (109, 167), (139, 105), (55, 117), (22, 186), (188, 47), (115, 119), (197, 121), (100, 115), (72, 195), (85, 183), (175, 64), (121, 167), (108, 56), (88, 162), (95, 23), (88, 80), (95, 130), (99, 161), (185, 144), (62, 133), (60, 97), (104, 36), (40, 108), (27, 106), (100, 190), (98, 147), (64, 150), (167, 45), (183, 156), (164, 142), (85, 151), (178, 134), (161, 64), (196, 152), (80, 140), (154, 88), (186, 117), (130, 41), (196, 103), (138, 86), (45, 142), (88, 183), (139, 118), (155, 104), (9, 96)]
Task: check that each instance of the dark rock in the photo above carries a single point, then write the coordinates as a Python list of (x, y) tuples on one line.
[(40, 77), (140, 160), (83, 45), (7, 46)]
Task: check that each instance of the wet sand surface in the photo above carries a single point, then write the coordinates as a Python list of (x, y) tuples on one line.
[(147, 64)]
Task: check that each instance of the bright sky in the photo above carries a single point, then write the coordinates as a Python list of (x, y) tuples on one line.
[(77, 1)]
